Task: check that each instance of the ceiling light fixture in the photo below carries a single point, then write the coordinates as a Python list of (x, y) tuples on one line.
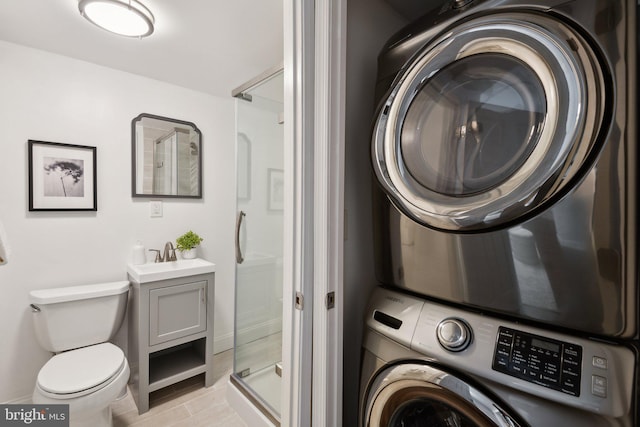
[(128, 18)]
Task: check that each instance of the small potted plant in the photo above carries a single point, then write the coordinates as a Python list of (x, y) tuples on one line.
[(187, 243)]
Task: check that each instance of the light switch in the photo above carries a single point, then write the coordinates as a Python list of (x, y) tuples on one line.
[(155, 208)]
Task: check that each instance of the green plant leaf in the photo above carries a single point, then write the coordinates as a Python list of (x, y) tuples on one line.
[(188, 240)]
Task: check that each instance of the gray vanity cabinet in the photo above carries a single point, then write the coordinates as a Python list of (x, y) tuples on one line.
[(177, 311), (170, 333)]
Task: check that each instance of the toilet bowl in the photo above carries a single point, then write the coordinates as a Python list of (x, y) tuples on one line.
[(88, 380), (87, 372)]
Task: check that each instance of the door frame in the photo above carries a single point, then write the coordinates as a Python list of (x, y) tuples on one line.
[(329, 155), (314, 76)]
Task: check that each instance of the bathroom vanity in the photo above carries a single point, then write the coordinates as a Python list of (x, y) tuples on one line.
[(170, 325)]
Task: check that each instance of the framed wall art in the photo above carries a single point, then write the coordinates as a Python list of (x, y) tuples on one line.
[(62, 177), (275, 191)]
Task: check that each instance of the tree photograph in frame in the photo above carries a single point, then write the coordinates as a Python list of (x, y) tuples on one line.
[(62, 177)]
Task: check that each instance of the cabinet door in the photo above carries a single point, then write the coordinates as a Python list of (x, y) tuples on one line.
[(177, 311)]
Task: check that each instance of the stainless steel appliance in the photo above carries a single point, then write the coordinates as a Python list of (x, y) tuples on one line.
[(505, 149), (429, 364), (505, 212)]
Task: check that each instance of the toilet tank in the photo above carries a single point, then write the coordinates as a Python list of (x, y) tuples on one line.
[(78, 316)]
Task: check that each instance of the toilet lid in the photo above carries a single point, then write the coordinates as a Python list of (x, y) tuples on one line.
[(81, 369)]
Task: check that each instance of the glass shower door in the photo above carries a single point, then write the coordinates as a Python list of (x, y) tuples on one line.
[(259, 243)]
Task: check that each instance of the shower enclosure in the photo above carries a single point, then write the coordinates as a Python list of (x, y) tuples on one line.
[(257, 367), (175, 164)]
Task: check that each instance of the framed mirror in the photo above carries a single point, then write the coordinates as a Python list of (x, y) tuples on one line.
[(166, 157)]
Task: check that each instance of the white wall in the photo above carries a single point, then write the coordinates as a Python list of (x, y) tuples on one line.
[(53, 98), (370, 24)]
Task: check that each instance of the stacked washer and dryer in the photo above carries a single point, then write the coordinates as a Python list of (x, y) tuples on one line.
[(505, 214)]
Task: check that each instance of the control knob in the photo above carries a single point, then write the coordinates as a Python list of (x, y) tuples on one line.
[(454, 334)]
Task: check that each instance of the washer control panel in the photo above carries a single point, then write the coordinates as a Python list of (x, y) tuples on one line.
[(586, 374), (543, 361)]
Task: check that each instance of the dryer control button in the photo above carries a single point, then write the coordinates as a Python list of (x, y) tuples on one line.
[(600, 362), (598, 386), (453, 334)]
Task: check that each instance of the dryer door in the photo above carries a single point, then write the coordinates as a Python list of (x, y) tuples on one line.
[(417, 394), (494, 120)]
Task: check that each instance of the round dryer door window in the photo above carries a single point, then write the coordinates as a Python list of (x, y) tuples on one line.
[(490, 123), (417, 394)]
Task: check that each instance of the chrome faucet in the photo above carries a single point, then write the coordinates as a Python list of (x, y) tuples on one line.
[(169, 252)]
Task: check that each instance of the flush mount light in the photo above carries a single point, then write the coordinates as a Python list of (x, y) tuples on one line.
[(124, 17)]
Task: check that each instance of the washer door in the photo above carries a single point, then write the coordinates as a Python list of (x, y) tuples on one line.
[(492, 121), (418, 394)]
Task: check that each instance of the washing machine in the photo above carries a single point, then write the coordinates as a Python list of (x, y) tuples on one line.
[(430, 364), (504, 148)]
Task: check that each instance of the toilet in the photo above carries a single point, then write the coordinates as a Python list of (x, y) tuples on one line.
[(87, 372)]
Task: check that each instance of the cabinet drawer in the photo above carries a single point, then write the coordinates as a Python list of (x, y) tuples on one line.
[(177, 311)]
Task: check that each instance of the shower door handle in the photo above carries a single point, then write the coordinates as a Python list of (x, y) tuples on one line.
[(239, 258)]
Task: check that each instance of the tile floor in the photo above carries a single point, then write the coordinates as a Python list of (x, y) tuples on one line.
[(186, 404)]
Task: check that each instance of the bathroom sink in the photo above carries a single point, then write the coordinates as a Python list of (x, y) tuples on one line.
[(151, 272)]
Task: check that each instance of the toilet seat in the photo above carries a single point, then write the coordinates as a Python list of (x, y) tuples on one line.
[(82, 371)]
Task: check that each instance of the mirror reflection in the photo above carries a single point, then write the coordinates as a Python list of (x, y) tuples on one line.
[(167, 157)]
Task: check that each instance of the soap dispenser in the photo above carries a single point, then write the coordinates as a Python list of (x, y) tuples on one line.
[(138, 254)]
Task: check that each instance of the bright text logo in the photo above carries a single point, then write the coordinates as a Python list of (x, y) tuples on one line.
[(34, 415)]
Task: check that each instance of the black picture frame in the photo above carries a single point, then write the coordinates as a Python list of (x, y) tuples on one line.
[(62, 177), (146, 131)]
